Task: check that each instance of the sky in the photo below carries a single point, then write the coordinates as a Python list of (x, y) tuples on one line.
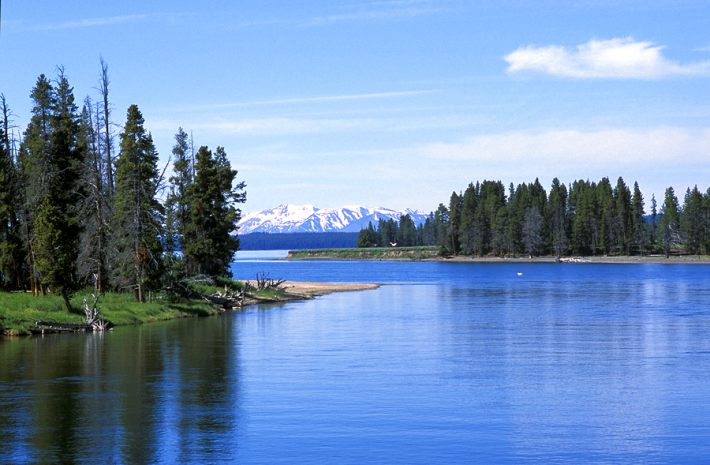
[(393, 103)]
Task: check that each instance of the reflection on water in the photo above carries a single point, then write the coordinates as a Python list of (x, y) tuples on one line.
[(473, 364), (160, 393)]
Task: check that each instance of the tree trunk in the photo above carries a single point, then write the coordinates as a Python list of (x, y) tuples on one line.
[(65, 296)]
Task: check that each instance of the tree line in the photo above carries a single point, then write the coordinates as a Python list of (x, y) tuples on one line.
[(76, 212), (582, 218)]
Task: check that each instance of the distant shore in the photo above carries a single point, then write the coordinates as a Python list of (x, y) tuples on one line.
[(431, 254), (610, 260)]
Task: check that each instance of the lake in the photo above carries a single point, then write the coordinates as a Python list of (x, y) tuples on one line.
[(445, 363)]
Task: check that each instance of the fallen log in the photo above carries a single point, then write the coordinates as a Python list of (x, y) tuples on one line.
[(49, 327)]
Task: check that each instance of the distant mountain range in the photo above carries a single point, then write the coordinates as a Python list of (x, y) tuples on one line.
[(310, 219)]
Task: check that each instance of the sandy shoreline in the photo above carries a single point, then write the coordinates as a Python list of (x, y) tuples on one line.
[(313, 289), (301, 290)]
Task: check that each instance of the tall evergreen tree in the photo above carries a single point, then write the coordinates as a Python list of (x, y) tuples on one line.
[(557, 207), (622, 225), (467, 228), (11, 251), (453, 231), (670, 222), (137, 222), (34, 162), (92, 262), (214, 194), (638, 225), (653, 235), (692, 221), (177, 202), (441, 224), (407, 236), (533, 231), (51, 159)]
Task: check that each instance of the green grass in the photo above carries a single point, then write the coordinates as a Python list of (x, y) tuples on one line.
[(19, 310), (373, 253)]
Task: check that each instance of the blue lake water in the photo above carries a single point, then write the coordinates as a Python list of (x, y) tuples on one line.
[(446, 363)]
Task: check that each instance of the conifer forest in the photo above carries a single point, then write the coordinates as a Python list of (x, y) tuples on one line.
[(583, 218), (85, 202)]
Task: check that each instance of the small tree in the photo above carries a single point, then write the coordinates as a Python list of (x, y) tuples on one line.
[(367, 237)]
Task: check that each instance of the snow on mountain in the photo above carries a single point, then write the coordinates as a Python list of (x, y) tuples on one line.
[(307, 218)]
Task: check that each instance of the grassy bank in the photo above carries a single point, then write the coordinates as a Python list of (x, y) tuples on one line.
[(373, 253), (20, 310)]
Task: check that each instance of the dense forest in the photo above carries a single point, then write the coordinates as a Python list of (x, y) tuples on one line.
[(584, 218), (83, 201)]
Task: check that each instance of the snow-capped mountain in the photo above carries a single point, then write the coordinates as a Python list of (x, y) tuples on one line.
[(307, 218)]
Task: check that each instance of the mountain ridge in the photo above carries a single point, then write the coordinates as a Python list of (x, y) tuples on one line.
[(288, 218)]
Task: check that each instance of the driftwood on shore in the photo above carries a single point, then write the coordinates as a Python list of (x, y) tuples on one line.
[(94, 322), (227, 301)]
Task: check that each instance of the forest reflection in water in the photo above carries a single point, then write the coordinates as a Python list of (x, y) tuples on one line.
[(136, 395)]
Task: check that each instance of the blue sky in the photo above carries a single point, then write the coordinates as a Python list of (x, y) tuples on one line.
[(391, 102)]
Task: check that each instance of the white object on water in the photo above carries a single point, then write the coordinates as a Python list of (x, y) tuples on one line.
[(519, 273)]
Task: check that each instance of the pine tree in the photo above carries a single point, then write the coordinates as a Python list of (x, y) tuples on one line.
[(137, 221), (441, 224), (177, 202), (407, 236), (209, 244), (11, 251), (532, 231), (34, 161), (453, 231), (367, 237), (622, 222), (50, 159), (92, 262), (653, 227), (691, 220), (638, 229), (467, 228), (670, 222), (557, 214)]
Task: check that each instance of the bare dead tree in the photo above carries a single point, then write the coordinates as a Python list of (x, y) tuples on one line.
[(264, 281), (103, 88)]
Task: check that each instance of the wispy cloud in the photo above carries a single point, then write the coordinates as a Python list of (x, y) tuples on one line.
[(86, 23), (382, 10), (620, 58), (620, 147), (278, 126), (364, 11), (317, 99)]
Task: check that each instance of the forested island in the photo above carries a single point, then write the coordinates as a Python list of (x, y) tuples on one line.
[(85, 208), (583, 218)]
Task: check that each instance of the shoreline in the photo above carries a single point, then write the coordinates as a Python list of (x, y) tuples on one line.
[(306, 290), (291, 291), (600, 260), (421, 254)]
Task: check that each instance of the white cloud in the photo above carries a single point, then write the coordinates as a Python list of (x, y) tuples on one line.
[(642, 148), (622, 58)]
